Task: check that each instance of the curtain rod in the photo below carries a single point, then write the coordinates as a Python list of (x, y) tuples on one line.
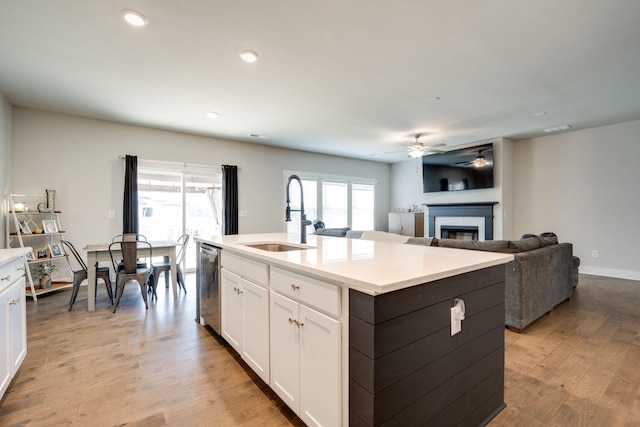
[(183, 164)]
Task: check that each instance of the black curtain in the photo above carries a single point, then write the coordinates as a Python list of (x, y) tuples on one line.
[(230, 199), (130, 207)]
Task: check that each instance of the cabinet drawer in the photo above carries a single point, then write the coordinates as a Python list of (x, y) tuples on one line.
[(11, 271), (244, 267), (316, 293)]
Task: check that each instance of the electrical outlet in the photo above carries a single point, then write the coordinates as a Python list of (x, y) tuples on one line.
[(594, 254), (112, 214), (243, 213)]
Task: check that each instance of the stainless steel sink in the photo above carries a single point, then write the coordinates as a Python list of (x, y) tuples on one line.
[(276, 247)]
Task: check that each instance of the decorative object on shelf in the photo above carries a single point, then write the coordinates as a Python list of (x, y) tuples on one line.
[(49, 225), (43, 274), (42, 208), (37, 230), (18, 207), (51, 199), (24, 227), (55, 250), (30, 256), (42, 253)]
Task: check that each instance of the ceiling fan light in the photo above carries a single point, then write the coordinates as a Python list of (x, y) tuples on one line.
[(479, 162), (416, 153)]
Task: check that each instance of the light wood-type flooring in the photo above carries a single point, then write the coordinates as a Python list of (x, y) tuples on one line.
[(577, 366)]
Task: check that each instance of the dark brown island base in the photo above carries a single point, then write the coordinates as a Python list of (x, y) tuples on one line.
[(405, 368)]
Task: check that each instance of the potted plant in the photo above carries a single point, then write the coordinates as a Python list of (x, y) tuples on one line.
[(43, 274)]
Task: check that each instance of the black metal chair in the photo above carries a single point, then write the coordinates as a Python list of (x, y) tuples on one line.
[(81, 275), (165, 267), (126, 252)]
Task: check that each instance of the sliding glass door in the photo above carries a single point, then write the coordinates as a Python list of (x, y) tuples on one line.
[(173, 202)]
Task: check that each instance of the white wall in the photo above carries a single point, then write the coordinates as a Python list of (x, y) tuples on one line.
[(79, 158), (406, 189), (6, 160), (583, 186)]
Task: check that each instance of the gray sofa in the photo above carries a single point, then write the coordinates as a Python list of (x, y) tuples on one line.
[(542, 275)]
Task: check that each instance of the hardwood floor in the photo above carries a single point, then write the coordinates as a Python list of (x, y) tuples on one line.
[(577, 366)]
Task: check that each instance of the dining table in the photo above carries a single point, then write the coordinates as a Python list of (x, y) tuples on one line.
[(100, 252)]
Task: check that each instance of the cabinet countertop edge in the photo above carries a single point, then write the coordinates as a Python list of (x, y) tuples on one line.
[(371, 267)]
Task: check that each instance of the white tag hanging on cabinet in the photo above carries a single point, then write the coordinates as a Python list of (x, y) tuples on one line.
[(457, 316)]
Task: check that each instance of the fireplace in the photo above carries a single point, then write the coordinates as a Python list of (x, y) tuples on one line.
[(459, 232), (467, 221)]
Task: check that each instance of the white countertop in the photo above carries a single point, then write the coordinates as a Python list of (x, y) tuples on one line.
[(8, 254), (372, 267)]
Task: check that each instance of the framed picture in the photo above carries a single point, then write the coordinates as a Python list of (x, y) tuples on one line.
[(30, 256), (42, 253), (55, 250), (49, 226), (24, 227)]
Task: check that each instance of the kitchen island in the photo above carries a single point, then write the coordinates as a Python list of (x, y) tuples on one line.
[(357, 332)]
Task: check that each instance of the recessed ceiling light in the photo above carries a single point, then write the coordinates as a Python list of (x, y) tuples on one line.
[(212, 114), (540, 114), (134, 18), (557, 128), (249, 56)]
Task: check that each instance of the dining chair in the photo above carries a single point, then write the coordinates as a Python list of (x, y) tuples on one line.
[(126, 252), (130, 237), (81, 275), (165, 266)]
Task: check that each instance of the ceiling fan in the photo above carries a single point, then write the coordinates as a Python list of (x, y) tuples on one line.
[(418, 149), (479, 161)]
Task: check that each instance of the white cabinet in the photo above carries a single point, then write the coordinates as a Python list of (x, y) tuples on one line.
[(407, 223), (244, 320), (306, 350), (13, 329)]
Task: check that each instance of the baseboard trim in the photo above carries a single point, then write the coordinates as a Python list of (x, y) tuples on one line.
[(610, 272)]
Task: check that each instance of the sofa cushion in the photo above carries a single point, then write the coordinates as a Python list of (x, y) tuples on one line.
[(487, 245), (353, 234), (545, 239), (524, 245), (336, 232), (383, 236), (423, 241)]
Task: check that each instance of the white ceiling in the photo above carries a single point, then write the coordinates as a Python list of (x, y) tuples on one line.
[(353, 78)]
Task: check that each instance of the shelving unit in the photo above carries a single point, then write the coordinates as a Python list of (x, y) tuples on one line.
[(27, 226)]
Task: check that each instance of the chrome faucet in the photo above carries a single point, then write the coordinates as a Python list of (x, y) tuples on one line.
[(303, 218)]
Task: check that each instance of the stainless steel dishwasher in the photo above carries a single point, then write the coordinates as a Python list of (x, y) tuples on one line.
[(208, 284)]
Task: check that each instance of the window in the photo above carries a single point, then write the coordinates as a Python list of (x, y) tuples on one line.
[(363, 206), (337, 201)]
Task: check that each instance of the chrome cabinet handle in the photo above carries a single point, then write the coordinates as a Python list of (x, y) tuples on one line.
[(20, 268), (5, 278), (13, 302), (295, 287)]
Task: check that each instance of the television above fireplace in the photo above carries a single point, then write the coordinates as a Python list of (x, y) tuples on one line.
[(466, 169)]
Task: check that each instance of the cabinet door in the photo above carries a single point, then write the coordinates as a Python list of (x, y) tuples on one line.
[(395, 223), (285, 365), (231, 309), (255, 326), (5, 341), (408, 224), (17, 324), (320, 369)]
